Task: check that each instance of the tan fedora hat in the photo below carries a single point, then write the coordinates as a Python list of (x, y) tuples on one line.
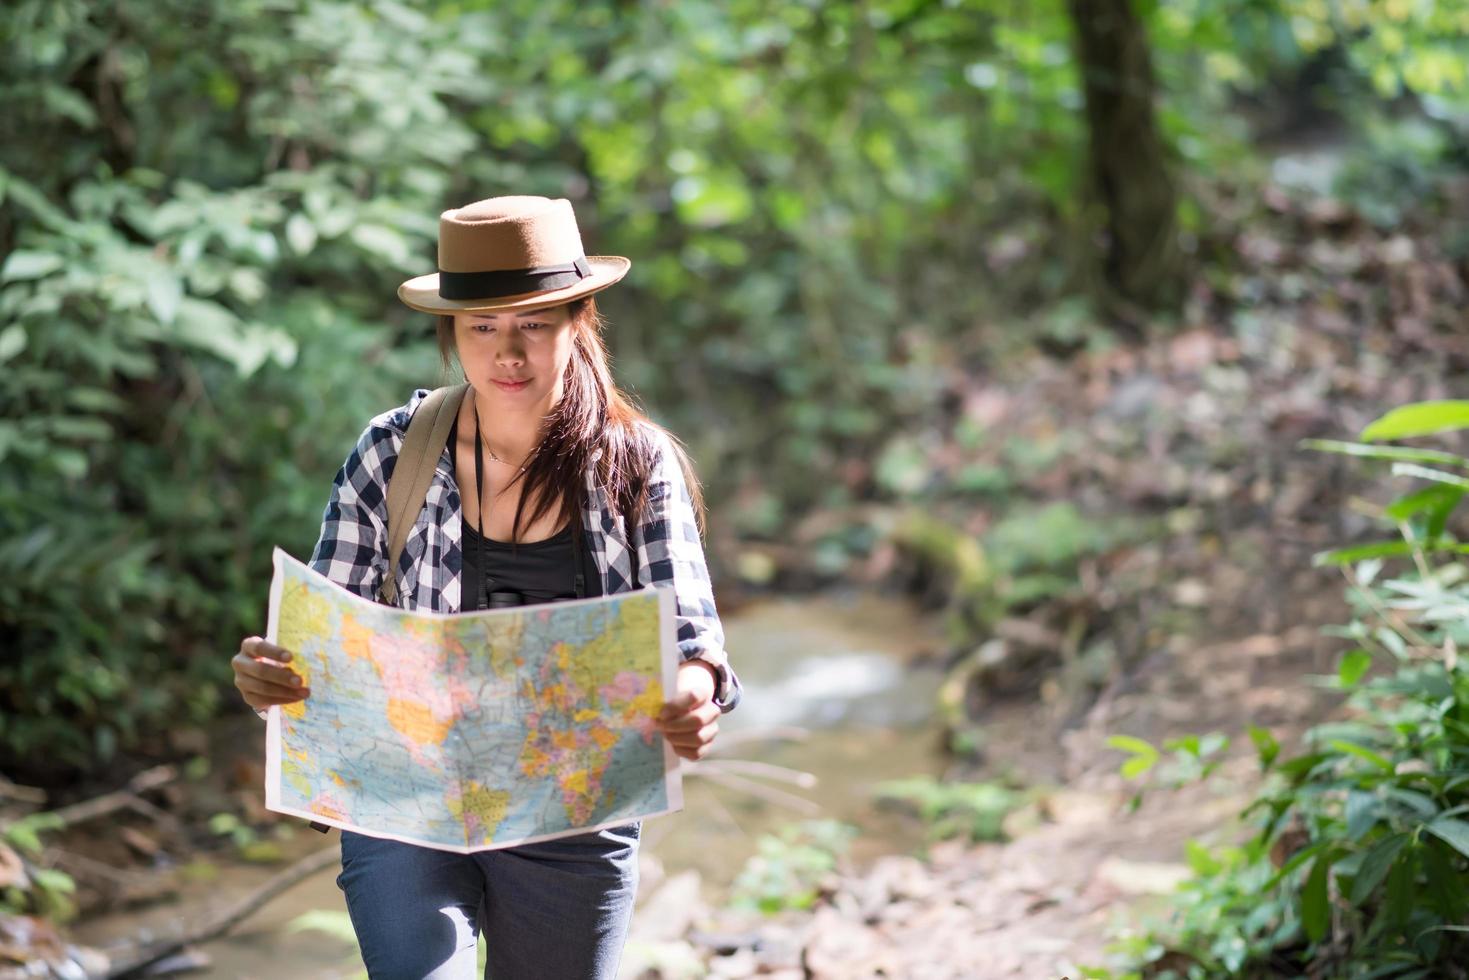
[(510, 253)]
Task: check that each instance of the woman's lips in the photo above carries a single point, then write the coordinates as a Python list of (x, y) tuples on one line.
[(511, 385)]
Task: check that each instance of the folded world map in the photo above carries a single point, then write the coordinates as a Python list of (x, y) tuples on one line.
[(471, 731)]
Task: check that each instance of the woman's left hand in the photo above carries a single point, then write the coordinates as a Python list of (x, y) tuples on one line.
[(688, 719)]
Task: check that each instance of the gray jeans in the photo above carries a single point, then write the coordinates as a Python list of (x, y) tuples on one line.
[(558, 909)]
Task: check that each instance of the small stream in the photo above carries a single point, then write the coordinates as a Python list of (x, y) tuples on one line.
[(840, 667), (846, 669)]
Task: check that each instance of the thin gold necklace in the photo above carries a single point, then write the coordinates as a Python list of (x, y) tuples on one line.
[(488, 448)]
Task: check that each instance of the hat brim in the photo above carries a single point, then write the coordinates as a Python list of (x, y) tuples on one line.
[(422, 292)]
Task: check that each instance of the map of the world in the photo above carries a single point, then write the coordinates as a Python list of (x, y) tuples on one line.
[(475, 730)]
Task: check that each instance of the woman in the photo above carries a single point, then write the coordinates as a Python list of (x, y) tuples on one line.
[(551, 457)]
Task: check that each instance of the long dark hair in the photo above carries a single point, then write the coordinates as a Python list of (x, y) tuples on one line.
[(593, 412)]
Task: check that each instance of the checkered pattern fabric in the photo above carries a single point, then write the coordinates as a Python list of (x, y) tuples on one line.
[(352, 547)]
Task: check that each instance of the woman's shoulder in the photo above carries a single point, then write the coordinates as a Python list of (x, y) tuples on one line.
[(392, 425), (395, 420), (652, 436), (665, 452), (377, 447)]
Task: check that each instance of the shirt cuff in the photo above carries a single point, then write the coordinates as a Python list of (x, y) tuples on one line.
[(726, 684)]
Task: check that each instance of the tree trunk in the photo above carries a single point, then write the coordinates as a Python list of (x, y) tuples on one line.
[(1127, 170)]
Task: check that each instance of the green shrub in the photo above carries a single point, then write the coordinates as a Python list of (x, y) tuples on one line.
[(34, 890), (787, 868), (1358, 865), (974, 811)]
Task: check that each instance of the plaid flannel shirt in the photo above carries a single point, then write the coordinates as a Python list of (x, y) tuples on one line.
[(352, 548)]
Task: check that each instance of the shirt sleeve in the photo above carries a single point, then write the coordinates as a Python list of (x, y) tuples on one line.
[(671, 555), (352, 547)]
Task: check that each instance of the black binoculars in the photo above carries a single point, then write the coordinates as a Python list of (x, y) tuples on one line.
[(498, 600)]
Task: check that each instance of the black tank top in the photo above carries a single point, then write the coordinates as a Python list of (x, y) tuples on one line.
[(541, 571)]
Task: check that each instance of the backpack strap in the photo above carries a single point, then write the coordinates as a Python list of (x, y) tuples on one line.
[(428, 430)]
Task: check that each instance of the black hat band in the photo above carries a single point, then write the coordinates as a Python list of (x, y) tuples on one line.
[(512, 282)]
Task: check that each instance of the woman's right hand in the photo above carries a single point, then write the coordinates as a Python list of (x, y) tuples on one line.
[(262, 676)]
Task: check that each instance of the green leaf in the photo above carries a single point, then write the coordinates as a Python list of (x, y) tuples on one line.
[(1438, 476), (1367, 570), (12, 341), (223, 823), (1395, 453), (1419, 803), (51, 879), (1212, 743), (1361, 811), (1351, 748), (1402, 882), (385, 243), (300, 234), (712, 200), (1128, 743), (1300, 765), (21, 264), (1296, 860), (1420, 419), (1354, 663), (1265, 745), (1451, 831), (1200, 860), (1188, 744), (70, 463), (1445, 885), (24, 837), (1377, 549), (1375, 867), (1438, 501), (1144, 755), (1315, 910), (164, 293), (1394, 641)]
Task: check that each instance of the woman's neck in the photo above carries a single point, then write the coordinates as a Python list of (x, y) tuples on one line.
[(511, 435)]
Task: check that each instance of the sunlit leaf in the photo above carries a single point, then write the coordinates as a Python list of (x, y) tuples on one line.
[(1354, 663), (1451, 831), (1265, 745), (12, 341), (1439, 476), (22, 264), (1419, 419)]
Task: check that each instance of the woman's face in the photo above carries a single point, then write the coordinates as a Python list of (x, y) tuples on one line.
[(532, 348)]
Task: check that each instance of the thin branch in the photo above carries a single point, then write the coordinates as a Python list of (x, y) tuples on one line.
[(792, 732), (1417, 549), (21, 794), (750, 767), (217, 924), (767, 793), (727, 816), (126, 798)]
